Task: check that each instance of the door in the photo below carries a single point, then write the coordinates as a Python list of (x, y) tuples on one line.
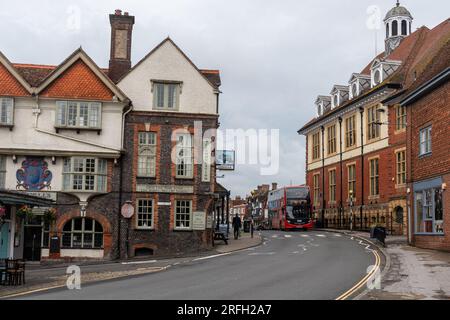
[(32, 243), (4, 240)]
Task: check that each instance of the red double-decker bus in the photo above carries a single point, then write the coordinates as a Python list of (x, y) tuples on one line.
[(290, 208)]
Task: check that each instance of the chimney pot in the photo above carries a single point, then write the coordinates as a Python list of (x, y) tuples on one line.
[(126, 14), (118, 12)]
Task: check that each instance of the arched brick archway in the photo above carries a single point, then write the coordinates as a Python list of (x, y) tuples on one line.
[(106, 225)]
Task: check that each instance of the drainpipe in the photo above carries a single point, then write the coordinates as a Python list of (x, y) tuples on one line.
[(361, 111), (340, 164), (322, 128), (119, 216)]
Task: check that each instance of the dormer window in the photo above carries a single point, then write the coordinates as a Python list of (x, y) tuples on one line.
[(354, 89), (336, 100), (319, 109), (323, 104), (376, 77)]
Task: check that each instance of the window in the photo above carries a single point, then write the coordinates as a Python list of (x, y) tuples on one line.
[(184, 156), (404, 28), (144, 214), (84, 174), (78, 114), (394, 28), (376, 77), (45, 235), (331, 132), (207, 161), (336, 100), (354, 89), (316, 187), (425, 141), (147, 154), (351, 181), (183, 210), (401, 167), (387, 30), (166, 95), (2, 171), (84, 233), (400, 116), (6, 111), (332, 183), (316, 146), (350, 131), (373, 122), (374, 178), (429, 211)]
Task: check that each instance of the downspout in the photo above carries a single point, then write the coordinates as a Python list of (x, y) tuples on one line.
[(361, 111), (340, 164), (119, 216), (322, 128)]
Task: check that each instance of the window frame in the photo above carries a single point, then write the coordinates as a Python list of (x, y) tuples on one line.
[(316, 146), (178, 228), (188, 167), (316, 188), (400, 118), (7, 112), (332, 185), (152, 214), (374, 177), (427, 142), (82, 232), (63, 114), (351, 180), (147, 153), (331, 140), (350, 133), (373, 126), (400, 167), (98, 174), (166, 87), (432, 206)]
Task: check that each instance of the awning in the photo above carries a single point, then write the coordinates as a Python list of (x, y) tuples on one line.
[(17, 198)]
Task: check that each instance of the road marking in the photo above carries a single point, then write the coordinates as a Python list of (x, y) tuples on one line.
[(287, 236), (337, 235), (140, 262), (261, 254), (364, 280), (295, 252), (275, 236), (213, 256), (304, 236), (321, 235)]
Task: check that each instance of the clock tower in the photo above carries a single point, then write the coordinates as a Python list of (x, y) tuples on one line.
[(398, 23)]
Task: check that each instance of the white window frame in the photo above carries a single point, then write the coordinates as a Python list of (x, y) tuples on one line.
[(92, 120), (168, 101), (351, 181), (374, 177), (400, 161), (82, 233), (425, 143), (207, 160), (147, 222), (147, 142), (2, 172), (332, 185), (184, 167), (72, 174), (6, 111), (177, 214)]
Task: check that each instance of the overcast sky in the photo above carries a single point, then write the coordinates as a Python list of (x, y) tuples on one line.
[(275, 57)]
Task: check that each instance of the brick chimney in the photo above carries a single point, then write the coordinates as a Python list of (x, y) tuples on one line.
[(121, 34)]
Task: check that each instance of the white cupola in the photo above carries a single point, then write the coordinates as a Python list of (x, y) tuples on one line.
[(398, 23)]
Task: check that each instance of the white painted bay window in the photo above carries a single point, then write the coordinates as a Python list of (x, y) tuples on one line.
[(84, 174), (76, 114), (184, 156), (6, 111), (147, 154)]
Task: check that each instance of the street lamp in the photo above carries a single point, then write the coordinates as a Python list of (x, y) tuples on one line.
[(351, 210)]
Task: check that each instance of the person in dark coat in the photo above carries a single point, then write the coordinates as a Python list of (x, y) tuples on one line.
[(237, 223)]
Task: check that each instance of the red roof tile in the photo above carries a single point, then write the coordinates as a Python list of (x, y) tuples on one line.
[(9, 85)]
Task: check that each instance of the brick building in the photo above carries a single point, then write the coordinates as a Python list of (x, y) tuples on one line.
[(168, 169), (428, 151), (357, 144)]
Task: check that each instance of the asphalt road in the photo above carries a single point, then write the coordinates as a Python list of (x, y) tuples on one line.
[(288, 266)]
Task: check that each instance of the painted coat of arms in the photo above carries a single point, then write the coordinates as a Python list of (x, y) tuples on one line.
[(34, 175)]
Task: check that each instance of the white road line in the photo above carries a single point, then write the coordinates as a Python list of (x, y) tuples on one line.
[(287, 236), (295, 252), (139, 262), (213, 256), (321, 235), (337, 235), (261, 254), (304, 236)]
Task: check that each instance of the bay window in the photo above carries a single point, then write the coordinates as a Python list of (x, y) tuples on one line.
[(76, 114), (84, 174)]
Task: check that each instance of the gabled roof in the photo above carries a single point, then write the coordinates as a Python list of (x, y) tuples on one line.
[(11, 80), (337, 87), (76, 56), (211, 76), (358, 76)]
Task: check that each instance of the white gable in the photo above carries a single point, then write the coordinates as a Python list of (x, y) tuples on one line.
[(168, 63)]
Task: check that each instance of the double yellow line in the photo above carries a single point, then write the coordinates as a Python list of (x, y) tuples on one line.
[(364, 280)]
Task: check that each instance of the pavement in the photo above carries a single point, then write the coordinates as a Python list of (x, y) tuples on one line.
[(286, 266), (42, 277), (411, 273)]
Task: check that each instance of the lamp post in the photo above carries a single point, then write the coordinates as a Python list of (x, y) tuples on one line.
[(351, 210), (127, 212)]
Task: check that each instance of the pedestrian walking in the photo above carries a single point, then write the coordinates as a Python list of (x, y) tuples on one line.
[(237, 223), (252, 227)]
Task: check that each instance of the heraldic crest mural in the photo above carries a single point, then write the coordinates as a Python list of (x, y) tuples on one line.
[(34, 175)]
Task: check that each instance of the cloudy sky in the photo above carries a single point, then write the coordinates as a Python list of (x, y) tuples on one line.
[(275, 56)]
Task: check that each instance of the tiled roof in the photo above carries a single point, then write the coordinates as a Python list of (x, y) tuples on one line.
[(416, 51), (9, 85), (78, 82), (34, 74), (213, 76)]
